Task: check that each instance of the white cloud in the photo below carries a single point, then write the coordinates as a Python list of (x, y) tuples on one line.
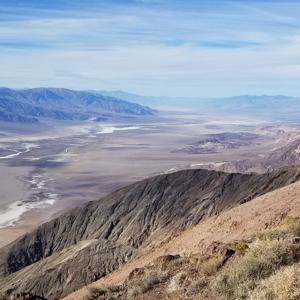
[(156, 51)]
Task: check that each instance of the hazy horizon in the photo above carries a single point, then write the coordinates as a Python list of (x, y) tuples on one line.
[(158, 96), (153, 47)]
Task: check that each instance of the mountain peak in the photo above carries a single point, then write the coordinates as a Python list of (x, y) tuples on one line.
[(63, 104)]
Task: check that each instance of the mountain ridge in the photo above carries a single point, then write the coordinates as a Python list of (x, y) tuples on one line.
[(272, 107), (32, 105), (228, 230), (103, 235)]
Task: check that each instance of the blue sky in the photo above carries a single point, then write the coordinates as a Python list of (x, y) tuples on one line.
[(152, 47)]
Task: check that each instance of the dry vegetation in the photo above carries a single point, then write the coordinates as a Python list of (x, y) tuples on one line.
[(265, 267), (21, 296), (284, 284), (256, 271)]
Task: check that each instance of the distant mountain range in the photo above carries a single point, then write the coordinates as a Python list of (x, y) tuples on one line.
[(266, 106), (32, 105)]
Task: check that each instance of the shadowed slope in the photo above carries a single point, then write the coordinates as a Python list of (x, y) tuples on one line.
[(89, 242)]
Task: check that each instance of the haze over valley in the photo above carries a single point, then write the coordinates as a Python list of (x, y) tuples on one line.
[(149, 149), (68, 160)]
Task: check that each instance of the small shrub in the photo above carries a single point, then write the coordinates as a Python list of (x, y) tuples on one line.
[(212, 265), (289, 228), (261, 260), (288, 221), (197, 286), (283, 285), (151, 280), (294, 229), (142, 286), (134, 291), (105, 293), (95, 293), (241, 248), (176, 282), (271, 235)]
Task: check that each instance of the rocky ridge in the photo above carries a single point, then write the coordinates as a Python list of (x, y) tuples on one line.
[(90, 242)]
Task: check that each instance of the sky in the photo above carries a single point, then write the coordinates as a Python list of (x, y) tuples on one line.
[(185, 48)]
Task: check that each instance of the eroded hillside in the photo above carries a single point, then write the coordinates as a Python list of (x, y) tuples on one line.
[(90, 242), (215, 259)]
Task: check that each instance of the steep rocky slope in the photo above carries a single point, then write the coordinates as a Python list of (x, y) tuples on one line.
[(229, 228), (89, 242), (264, 267)]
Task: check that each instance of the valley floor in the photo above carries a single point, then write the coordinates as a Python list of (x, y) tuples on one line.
[(64, 167)]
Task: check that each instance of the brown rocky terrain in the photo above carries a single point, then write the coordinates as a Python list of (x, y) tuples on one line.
[(284, 156), (214, 143), (92, 241), (184, 266)]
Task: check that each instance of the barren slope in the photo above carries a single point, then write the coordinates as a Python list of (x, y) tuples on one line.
[(90, 242), (239, 223)]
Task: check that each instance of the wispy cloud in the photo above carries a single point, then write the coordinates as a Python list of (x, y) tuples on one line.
[(152, 47), (229, 44)]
